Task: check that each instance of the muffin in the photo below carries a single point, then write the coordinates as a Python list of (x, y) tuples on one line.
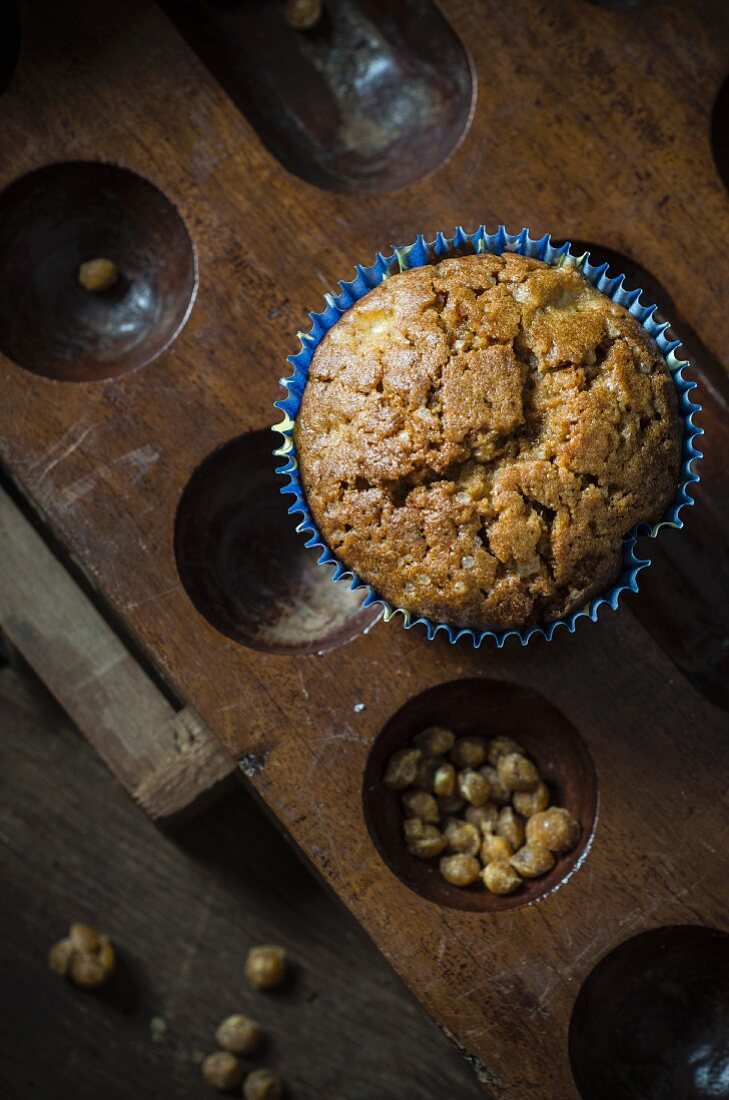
[(476, 437)]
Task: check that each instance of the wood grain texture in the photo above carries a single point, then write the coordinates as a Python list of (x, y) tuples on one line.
[(183, 913), (168, 760), (590, 122)]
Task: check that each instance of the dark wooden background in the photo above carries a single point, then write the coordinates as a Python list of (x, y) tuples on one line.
[(593, 123), (182, 913)]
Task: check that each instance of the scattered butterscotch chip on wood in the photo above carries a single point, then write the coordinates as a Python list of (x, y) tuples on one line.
[(84, 938), (266, 966), (262, 1084), (86, 956), (238, 1034), (222, 1070), (60, 955)]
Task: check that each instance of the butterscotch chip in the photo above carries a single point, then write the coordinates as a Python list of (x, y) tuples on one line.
[(266, 965), (238, 1034), (556, 828), (98, 275), (434, 741), (516, 772), (84, 938), (495, 848), (421, 840), (422, 805), (302, 15), (88, 971), (461, 836), (468, 752), (61, 955), (460, 870), (402, 768), (500, 877), (477, 436), (444, 780), (425, 773), (532, 860), (499, 794), (527, 803), (222, 1070), (450, 804), (473, 787), (500, 746), (511, 826), (483, 817), (262, 1084)]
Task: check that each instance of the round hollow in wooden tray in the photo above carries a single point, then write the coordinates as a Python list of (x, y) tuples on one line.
[(485, 708), (245, 567), (55, 219), (651, 1021)]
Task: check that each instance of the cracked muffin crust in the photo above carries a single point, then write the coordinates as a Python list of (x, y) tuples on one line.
[(476, 437)]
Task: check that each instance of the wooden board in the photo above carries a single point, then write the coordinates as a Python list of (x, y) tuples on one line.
[(591, 122), (182, 913), (164, 756)]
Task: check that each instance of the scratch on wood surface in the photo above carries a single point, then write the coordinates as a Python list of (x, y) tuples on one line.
[(304, 691), (77, 489), (152, 596), (346, 734), (141, 460), (68, 450), (229, 706), (327, 832)]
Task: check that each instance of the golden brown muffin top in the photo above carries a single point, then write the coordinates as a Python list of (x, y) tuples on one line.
[(476, 437)]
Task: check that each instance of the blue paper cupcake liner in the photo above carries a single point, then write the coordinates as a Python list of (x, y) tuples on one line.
[(422, 252)]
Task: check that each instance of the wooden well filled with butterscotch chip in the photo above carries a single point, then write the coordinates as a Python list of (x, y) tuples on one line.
[(480, 807)]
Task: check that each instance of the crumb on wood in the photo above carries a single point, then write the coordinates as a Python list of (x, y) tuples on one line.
[(157, 1029)]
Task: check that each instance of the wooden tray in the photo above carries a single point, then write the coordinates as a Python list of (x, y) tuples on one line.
[(592, 123)]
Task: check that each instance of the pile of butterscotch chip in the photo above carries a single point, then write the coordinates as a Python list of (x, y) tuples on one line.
[(481, 806)]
